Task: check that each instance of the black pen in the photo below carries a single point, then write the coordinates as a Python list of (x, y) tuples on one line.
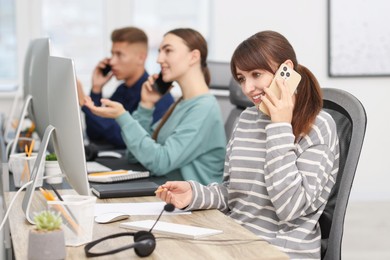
[(61, 199), (56, 192)]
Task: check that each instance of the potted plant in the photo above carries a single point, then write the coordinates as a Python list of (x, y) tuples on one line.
[(47, 240), (52, 168)]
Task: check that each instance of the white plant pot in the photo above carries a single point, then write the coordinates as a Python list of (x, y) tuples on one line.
[(52, 168)]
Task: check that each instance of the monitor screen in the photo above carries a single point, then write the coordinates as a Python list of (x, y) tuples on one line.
[(38, 87), (35, 88), (220, 74), (65, 117), (35, 47), (64, 130)]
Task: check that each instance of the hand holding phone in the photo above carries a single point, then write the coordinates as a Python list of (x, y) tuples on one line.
[(106, 70), (286, 73), (161, 86)]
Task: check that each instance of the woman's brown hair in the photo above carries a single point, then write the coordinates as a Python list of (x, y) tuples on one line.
[(195, 41), (267, 50)]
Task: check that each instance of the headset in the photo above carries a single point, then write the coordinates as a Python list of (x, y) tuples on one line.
[(144, 241)]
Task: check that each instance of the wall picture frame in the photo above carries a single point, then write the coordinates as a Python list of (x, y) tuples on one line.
[(358, 38)]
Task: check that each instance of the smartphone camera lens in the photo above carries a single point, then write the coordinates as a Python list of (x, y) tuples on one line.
[(285, 68), (282, 73), (288, 74)]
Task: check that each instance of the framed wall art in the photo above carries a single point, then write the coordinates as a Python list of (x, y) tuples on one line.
[(359, 38)]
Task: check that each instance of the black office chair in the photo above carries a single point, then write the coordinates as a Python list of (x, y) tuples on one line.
[(351, 120), (240, 102)]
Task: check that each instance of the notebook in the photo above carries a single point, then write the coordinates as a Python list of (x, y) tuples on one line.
[(166, 228), (116, 176), (135, 188)]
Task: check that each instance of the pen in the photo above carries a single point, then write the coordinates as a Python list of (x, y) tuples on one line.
[(26, 168), (108, 173), (61, 199), (56, 192), (28, 155), (48, 196), (159, 190)]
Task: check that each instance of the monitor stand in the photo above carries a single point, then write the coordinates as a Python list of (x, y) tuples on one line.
[(36, 174)]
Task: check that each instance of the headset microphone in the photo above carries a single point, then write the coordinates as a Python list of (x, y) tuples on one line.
[(168, 208), (144, 241)]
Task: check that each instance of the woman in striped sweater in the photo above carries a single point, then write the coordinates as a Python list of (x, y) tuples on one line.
[(279, 169)]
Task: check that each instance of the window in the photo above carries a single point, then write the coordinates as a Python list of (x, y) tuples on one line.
[(157, 17), (8, 47), (74, 32), (81, 30)]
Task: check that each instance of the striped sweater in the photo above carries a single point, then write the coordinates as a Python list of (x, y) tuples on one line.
[(274, 187)]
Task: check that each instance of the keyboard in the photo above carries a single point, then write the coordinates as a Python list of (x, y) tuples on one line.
[(97, 167), (117, 176)]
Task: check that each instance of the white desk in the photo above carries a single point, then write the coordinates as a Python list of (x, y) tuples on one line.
[(167, 247)]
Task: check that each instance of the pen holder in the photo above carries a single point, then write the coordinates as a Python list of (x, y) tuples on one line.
[(21, 167), (78, 217)]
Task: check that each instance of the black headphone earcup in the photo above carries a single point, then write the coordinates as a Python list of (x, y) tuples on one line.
[(144, 243)]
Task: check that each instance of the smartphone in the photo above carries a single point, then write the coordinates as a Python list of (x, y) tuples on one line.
[(161, 86), (106, 70), (286, 73)]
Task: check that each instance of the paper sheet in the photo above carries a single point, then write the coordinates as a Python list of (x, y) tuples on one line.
[(137, 208)]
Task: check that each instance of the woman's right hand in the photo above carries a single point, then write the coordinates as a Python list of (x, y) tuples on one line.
[(109, 109), (179, 193), (149, 96)]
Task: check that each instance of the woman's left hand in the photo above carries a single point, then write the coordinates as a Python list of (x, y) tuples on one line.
[(280, 109), (109, 109), (149, 96)]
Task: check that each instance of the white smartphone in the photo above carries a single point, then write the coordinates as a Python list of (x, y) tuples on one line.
[(286, 73)]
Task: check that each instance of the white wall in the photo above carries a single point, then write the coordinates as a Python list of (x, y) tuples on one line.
[(304, 23)]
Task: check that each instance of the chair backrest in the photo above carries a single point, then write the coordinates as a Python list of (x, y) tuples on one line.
[(351, 120), (240, 102)]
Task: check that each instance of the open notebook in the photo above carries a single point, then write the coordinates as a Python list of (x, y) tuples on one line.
[(99, 173)]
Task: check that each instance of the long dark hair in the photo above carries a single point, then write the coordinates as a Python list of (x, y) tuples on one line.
[(195, 41), (266, 49)]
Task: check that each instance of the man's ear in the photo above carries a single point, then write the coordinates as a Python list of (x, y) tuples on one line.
[(142, 57)]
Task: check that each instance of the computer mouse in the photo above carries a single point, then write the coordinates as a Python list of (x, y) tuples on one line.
[(111, 154), (111, 217)]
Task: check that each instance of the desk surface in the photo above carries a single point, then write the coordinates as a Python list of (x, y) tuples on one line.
[(242, 244)]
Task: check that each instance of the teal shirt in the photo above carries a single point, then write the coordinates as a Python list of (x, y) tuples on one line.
[(190, 146)]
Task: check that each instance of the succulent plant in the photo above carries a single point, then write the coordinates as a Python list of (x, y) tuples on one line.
[(51, 157), (48, 220)]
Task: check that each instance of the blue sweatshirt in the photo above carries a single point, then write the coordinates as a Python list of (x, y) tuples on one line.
[(106, 129)]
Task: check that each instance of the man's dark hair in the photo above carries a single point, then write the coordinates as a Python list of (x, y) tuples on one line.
[(130, 35)]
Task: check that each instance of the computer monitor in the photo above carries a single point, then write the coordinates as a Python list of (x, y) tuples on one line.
[(38, 86), (9, 135), (220, 74), (64, 129), (35, 88), (32, 48)]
